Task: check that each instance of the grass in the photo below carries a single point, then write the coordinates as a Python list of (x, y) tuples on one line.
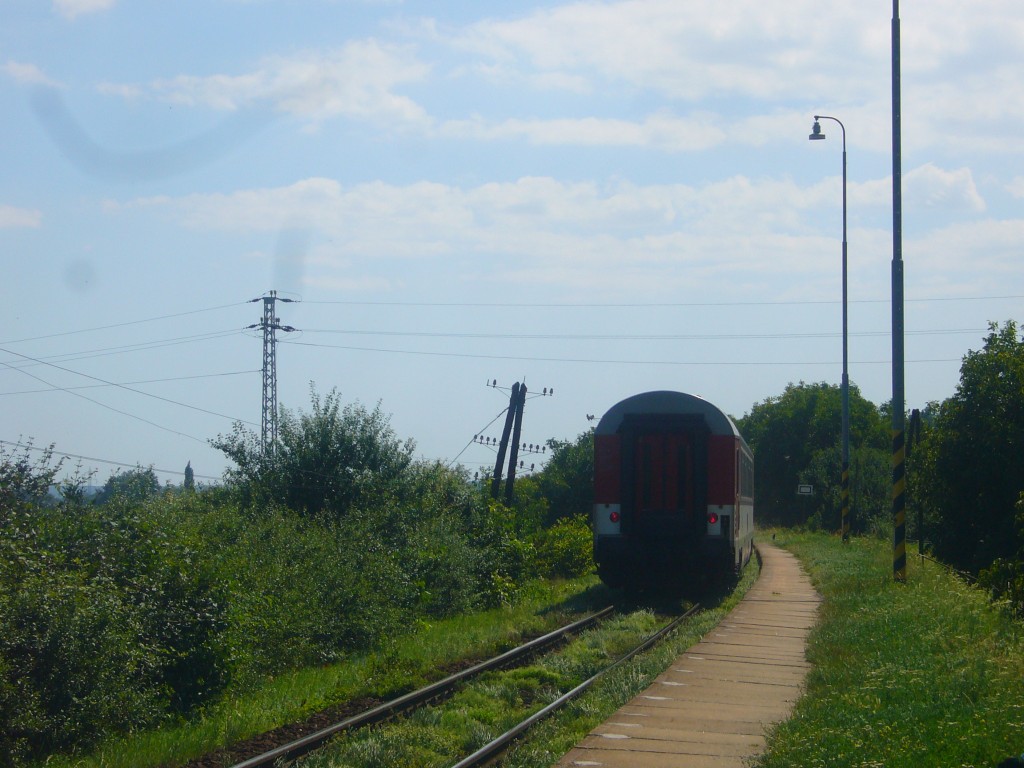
[(926, 673), (442, 735), (407, 662), (558, 734), (923, 674)]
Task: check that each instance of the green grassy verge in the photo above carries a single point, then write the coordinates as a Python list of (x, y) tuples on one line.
[(407, 662), (926, 673)]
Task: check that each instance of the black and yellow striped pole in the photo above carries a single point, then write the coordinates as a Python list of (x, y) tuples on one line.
[(899, 485), (899, 507)]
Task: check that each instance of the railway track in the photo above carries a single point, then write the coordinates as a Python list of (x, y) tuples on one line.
[(434, 692), (443, 689), (493, 750)]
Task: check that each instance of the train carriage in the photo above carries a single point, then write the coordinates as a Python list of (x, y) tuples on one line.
[(673, 493)]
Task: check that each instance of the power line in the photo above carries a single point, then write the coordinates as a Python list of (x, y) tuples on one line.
[(101, 461), (119, 386), (121, 325), (479, 431), (524, 305), (109, 407), (637, 337), (141, 346), (529, 358), (126, 383), (646, 304)]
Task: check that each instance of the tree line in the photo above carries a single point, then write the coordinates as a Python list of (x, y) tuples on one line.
[(964, 464)]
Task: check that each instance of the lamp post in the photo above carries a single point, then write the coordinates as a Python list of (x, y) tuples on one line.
[(817, 135)]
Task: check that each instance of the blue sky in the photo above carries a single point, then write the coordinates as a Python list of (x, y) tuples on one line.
[(601, 198)]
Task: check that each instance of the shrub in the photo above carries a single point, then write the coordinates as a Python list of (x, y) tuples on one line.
[(1005, 577), (104, 625), (565, 549)]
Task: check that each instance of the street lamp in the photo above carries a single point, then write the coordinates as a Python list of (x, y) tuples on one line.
[(817, 135)]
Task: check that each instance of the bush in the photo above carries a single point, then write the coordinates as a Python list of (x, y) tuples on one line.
[(324, 462), (565, 550), (1005, 577), (104, 625), (120, 616)]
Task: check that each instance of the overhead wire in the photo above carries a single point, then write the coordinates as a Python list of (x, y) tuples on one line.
[(636, 337), (123, 324), (141, 381), (66, 357), (660, 305), (532, 358), (119, 386), (141, 346), (65, 454), (110, 407), (501, 413)]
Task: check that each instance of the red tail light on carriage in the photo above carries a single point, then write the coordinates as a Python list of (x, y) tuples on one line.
[(615, 517), (712, 518)]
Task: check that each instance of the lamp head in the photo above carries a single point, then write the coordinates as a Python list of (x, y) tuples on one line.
[(816, 134)]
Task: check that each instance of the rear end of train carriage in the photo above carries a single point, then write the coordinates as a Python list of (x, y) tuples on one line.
[(673, 493)]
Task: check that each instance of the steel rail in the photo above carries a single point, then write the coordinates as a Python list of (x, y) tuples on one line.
[(307, 744), (490, 751)]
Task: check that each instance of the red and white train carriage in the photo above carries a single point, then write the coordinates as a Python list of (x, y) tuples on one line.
[(673, 493)]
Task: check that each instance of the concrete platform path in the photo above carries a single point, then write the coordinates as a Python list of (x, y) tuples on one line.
[(711, 707)]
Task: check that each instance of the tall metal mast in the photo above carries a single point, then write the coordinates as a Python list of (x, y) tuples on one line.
[(270, 324), (899, 483)]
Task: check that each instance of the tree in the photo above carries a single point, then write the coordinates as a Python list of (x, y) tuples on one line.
[(133, 485), (324, 462), (1005, 577), (973, 460), (190, 478), (23, 478), (795, 438), (567, 481)]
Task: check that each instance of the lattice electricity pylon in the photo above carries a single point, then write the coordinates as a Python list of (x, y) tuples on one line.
[(270, 324)]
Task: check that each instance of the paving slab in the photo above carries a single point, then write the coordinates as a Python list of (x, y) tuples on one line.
[(712, 706)]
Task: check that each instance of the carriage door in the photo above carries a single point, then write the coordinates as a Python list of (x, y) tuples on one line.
[(663, 471)]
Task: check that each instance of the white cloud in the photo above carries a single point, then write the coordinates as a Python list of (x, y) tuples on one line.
[(689, 50), (661, 131), (70, 9), (925, 187), (1016, 187), (601, 237), (358, 80), (11, 217), (934, 187), (983, 253), (960, 64), (534, 228), (126, 92), (28, 74)]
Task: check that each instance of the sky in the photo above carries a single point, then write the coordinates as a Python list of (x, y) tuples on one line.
[(594, 198)]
